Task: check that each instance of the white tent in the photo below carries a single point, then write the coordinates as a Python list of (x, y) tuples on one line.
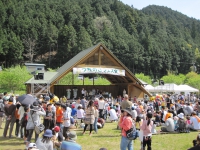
[(168, 87), (186, 89), (149, 88)]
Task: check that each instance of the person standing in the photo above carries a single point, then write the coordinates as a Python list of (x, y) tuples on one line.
[(17, 121), (126, 123), (33, 119), (126, 103), (21, 115), (9, 110), (78, 102), (50, 118), (66, 118), (89, 116), (83, 92), (59, 115), (146, 127), (101, 104), (1, 110), (96, 116), (83, 103)]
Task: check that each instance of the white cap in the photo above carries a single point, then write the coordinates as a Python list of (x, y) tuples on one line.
[(32, 145)]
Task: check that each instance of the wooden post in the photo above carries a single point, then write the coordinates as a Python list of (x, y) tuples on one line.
[(93, 79), (99, 57), (83, 79), (72, 78)]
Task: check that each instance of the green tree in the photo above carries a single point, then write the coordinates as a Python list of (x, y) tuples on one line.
[(144, 78), (13, 78)]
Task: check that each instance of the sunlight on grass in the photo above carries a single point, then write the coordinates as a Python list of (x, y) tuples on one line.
[(109, 137)]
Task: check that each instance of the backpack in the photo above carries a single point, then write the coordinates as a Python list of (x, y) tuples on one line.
[(181, 125), (24, 119)]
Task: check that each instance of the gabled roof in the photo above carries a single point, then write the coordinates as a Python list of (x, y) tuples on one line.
[(34, 64), (47, 77), (88, 57), (72, 62)]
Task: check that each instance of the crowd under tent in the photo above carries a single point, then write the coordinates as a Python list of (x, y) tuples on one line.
[(186, 89), (171, 88), (94, 60)]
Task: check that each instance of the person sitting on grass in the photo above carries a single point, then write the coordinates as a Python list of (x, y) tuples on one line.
[(70, 142), (194, 122), (168, 126), (45, 142), (112, 115)]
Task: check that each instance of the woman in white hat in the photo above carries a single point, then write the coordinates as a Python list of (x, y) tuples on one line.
[(126, 122), (181, 123)]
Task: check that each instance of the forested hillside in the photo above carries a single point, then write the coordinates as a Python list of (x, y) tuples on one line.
[(152, 40)]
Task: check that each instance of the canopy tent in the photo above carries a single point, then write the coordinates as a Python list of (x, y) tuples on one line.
[(149, 88), (168, 87), (171, 87), (186, 88)]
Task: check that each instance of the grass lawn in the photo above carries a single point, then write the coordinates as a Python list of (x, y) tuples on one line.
[(109, 137)]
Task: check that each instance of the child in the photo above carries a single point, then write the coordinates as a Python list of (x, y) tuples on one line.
[(96, 115), (188, 123), (74, 111), (80, 113), (138, 122), (175, 123)]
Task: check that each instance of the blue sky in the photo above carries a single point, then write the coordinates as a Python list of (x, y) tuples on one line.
[(191, 8)]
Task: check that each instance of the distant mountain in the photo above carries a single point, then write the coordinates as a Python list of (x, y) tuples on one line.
[(153, 40)]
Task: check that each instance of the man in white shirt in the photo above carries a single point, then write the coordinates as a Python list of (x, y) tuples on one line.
[(101, 104), (66, 118), (106, 109), (113, 115)]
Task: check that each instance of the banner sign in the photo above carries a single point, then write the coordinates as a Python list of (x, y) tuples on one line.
[(92, 70)]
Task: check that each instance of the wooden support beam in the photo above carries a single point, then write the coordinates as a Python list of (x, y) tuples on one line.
[(99, 56), (98, 66)]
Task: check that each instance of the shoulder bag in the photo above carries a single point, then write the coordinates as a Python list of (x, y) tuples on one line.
[(38, 128), (132, 133)]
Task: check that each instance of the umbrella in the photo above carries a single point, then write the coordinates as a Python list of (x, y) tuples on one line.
[(26, 99)]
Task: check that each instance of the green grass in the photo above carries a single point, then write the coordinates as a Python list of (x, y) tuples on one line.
[(109, 137)]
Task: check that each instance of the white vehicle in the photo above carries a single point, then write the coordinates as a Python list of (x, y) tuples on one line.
[(80, 77)]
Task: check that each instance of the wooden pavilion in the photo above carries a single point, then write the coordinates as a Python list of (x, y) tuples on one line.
[(94, 60)]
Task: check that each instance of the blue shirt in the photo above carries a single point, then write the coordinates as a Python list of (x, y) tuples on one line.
[(67, 145), (73, 113)]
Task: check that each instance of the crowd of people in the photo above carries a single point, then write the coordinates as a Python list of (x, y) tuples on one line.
[(173, 113)]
